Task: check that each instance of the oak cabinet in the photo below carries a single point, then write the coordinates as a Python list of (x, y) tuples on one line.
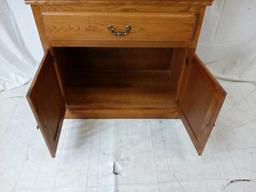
[(122, 59)]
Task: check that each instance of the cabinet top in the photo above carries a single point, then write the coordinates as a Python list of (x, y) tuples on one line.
[(199, 2)]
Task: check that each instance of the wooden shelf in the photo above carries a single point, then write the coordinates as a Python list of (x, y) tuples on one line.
[(133, 94)]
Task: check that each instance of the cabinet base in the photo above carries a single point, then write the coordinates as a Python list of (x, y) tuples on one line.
[(122, 114)]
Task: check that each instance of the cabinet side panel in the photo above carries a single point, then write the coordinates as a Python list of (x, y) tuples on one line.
[(40, 26), (198, 26), (177, 62)]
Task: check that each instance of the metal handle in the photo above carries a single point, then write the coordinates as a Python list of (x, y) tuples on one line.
[(113, 30)]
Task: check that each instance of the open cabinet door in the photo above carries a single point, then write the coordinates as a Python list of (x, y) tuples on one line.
[(200, 98), (47, 103)]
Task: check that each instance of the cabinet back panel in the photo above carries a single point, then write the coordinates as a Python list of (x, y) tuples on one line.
[(121, 90), (138, 80), (124, 59)]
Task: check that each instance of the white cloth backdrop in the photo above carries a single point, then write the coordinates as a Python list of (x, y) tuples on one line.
[(228, 40), (227, 44), (20, 49)]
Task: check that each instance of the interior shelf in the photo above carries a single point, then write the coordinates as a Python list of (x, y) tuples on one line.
[(118, 90)]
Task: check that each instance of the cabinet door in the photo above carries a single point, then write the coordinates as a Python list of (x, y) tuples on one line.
[(200, 98), (47, 103)]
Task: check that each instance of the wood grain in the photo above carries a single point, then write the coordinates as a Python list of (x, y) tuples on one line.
[(93, 26), (121, 90), (119, 59), (47, 103), (117, 43), (110, 7), (165, 113), (200, 100), (152, 72), (179, 56), (40, 26), (194, 2)]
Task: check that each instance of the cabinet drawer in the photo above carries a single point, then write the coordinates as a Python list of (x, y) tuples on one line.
[(157, 27)]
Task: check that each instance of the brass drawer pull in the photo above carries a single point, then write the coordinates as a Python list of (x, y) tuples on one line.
[(126, 31)]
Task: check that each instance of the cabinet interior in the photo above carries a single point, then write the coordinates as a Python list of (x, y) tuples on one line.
[(117, 78)]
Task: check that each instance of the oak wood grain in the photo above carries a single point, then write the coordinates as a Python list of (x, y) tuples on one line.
[(40, 26), (144, 26), (122, 90), (200, 98), (165, 113), (197, 2), (110, 7), (45, 99), (152, 72), (118, 43), (117, 59)]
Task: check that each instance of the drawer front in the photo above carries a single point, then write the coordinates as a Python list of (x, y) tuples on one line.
[(143, 26)]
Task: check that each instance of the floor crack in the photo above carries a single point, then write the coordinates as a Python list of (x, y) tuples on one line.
[(180, 184), (235, 181)]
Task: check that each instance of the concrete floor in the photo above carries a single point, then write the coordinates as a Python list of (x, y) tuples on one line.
[(149, 155)]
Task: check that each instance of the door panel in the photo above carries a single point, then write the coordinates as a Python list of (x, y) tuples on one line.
[(200, 98), (47, 103)]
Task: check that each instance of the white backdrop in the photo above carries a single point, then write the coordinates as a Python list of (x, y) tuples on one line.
[(228, 40), (20, 49), (227, 44)]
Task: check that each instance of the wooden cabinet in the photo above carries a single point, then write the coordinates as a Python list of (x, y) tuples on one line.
[(127, 59)]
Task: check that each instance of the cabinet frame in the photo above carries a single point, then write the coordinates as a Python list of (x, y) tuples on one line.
[(197, 96)]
